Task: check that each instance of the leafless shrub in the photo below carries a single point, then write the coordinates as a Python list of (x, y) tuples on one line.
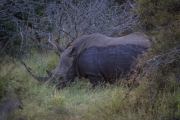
[(164, 59), (41, 23)]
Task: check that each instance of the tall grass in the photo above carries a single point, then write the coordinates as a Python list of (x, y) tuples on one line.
[(79, 101)]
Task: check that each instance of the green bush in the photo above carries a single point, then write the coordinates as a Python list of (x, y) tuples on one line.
[(160, 19), (79, 101)]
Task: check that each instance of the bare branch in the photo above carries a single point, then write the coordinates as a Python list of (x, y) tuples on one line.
[(49, 40), (37, 23), (165, 58)]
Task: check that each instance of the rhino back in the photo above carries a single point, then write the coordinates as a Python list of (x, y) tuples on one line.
[(100, 40), (109, 62)]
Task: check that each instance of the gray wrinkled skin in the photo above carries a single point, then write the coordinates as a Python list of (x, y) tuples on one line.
[(80, 44), (73, 60), (107, 64), (100, 40)]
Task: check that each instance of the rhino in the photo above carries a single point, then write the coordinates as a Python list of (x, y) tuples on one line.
[(99, 58)]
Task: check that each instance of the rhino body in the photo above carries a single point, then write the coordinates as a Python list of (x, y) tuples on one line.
[(107, 64), (97, 57)]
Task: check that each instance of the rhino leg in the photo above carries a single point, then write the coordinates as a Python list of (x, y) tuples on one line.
[(96, 81)]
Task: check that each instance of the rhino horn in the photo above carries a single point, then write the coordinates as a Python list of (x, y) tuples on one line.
[(61, 49), (39, 78)]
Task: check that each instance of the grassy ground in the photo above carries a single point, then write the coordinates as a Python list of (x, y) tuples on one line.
[(41, 101)]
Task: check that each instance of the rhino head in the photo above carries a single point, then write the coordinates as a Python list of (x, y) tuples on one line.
[(64, 68), (65, 62)]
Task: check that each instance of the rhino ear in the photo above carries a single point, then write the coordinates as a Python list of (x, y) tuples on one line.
[(72, 52)]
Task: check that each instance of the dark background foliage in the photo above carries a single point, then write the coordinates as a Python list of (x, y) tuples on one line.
[(26, 25), (29, 27)]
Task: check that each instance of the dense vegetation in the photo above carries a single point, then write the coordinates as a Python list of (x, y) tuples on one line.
[(156, 97), (160, 19)]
